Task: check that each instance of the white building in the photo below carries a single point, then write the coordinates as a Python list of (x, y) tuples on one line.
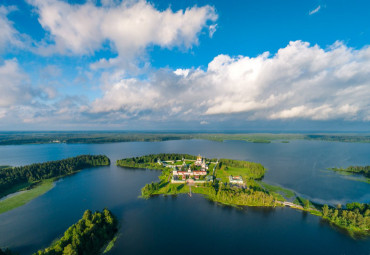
[(236, 179)]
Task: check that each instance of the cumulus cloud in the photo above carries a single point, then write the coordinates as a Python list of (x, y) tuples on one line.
[(315, 10), (14, 85), (9, 36), (299, 82), (127, 27)]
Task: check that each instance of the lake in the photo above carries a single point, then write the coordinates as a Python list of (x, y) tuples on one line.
[(192, 225)]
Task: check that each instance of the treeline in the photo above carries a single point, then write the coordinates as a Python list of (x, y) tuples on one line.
[(9, 177), (16, 138), (363, 170), (356, 216), (88, 236), (253, 170)]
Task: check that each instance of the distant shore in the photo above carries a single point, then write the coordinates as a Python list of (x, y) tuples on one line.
[(19, 138)]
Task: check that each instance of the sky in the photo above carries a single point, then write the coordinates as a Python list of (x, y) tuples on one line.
[(185, 65)]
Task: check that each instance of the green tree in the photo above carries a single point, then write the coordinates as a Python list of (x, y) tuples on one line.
[(325, 210), (307, 204)]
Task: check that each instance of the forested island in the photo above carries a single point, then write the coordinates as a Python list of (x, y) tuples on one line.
[(239, 183), (361, 170), (18, 138), (35, 179), (90, 235)]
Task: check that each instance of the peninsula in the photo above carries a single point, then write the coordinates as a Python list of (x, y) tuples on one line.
[(19, 185), (237, 183), (90, 235)]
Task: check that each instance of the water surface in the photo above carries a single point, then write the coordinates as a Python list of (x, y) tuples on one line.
[(185, 225)]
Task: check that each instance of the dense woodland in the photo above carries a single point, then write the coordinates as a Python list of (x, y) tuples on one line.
[(363, 170), (10, 177), (355, 216), (87, 237)]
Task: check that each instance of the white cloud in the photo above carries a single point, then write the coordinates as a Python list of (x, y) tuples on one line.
[(129, 27), (212, 30), (9, 36), (298, 82), (14, 86), (315, 10)]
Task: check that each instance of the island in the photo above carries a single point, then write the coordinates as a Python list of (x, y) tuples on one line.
[(355, 170), (95, 233), (19, 185), (238, 183)]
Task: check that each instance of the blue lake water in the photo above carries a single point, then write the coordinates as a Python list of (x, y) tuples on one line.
[(185, 225)]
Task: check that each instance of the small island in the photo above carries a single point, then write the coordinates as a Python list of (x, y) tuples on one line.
[(355, 170), (95, 233), (238, 183), (19, 185)]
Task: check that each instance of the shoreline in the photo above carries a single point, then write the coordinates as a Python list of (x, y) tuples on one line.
[(280, 194), (25, 196)]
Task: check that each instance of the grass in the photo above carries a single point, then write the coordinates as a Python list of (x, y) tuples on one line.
[(26, 196), (16, 188), (277, 189), (224, 174), (110, 244)]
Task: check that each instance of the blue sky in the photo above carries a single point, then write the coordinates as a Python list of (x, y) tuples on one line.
[(185, 65)]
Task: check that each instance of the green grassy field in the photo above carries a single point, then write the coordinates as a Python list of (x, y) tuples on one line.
[(26, 196), (224, 174), (277, 189)]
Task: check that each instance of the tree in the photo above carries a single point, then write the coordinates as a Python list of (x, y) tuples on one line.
[(325, 210), (307, 204)]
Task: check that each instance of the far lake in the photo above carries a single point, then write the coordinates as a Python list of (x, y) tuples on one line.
[(192, 225)]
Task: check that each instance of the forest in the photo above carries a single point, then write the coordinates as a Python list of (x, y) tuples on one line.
[(29, 174), (355, 216), (87, 237)]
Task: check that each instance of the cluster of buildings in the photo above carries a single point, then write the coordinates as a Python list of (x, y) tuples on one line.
[(194, 171), (186, 170)]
